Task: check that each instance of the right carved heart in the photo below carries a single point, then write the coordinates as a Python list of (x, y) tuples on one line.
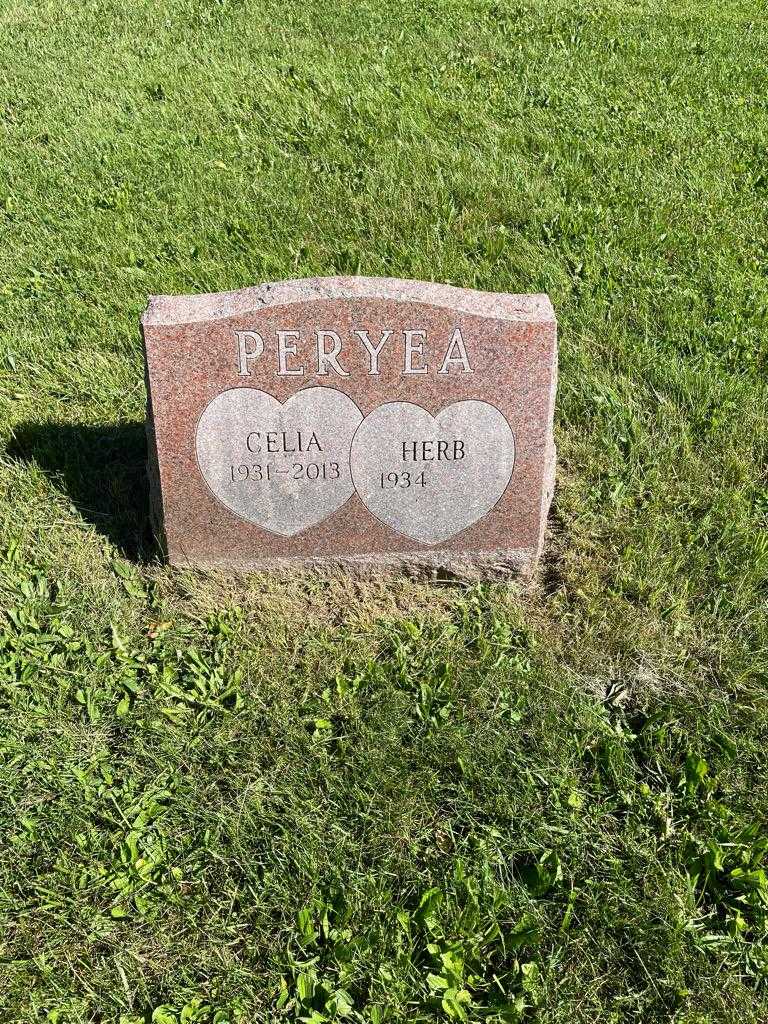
[(429, 477)]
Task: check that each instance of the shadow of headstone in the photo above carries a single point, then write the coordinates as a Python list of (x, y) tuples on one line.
[(102, 469)]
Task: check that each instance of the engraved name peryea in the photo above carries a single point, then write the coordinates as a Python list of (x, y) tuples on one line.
[(418, 357)]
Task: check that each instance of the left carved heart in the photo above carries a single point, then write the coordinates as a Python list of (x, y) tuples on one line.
[(284, 468)]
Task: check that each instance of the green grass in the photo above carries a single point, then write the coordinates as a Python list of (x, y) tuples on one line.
[(253, 799)]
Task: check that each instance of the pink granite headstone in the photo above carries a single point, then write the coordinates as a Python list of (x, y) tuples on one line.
[(369, 422)]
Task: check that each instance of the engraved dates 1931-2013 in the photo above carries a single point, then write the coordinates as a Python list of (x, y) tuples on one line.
[(259, 472)]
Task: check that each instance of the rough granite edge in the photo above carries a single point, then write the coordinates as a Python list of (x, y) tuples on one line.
[(469, 567), (547, 490), (175, 310)]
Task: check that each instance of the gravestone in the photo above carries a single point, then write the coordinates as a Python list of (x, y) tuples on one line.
[(366, 422)]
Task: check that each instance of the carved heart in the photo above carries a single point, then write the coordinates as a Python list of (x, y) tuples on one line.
[(427, 477), (283, 467)]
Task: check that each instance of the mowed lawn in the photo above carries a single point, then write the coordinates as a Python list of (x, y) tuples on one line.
[(259, 799)]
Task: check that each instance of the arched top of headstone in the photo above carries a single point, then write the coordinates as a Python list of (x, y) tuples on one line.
[(187, 309)]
